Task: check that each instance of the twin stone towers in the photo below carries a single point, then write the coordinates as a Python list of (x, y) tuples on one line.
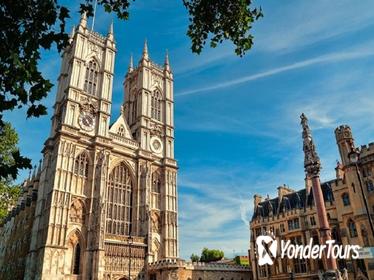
[(106, 194)]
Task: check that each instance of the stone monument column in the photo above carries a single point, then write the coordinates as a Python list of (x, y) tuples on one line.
[(312, 165)]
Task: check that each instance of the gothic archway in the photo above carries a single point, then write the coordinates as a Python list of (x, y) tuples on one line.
[(74, 254)]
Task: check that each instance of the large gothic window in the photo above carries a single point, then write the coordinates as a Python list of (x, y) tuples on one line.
[(119, 201), (81, 165), (156, 105), (90, 83)]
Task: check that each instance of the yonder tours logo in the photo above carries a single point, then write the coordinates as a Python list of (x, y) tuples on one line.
[(267, 250)]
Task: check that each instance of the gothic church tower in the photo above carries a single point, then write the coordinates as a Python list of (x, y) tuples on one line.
[(107, 197), (149, 106)]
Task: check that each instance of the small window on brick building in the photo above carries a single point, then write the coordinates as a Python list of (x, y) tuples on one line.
[(345, 198), (312, 221), (370, 186), (352, 228)]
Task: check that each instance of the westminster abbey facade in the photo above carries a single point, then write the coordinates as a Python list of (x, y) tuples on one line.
[(104, 200)]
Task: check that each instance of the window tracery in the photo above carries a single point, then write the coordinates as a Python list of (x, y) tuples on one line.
[(81, 165), (156, 105), (119, 201), (91, 79)]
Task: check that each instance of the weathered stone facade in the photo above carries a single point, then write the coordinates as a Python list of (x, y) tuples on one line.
[(292, 215), (105, 198), (103, 203)]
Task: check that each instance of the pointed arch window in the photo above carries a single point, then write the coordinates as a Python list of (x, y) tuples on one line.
[(121, 131), (134, 109), (92, 73), (352, 228), (81, 165), (156, 105), (119, 206)]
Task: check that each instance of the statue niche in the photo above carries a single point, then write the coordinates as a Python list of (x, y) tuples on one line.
[(156, 223)]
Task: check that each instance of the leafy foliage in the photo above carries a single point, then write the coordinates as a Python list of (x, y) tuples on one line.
[(220, 20), (194, 258), (28, 26), (208, 255), (120, 7), (8, 197), (10, 159)]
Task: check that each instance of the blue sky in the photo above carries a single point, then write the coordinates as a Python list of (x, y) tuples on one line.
[(237, 119)]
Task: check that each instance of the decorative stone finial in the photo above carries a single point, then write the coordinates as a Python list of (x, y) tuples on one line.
[(111, 28), (167, 65), (34, 172), (131, 64), (40, 166), (83, 21), (72, 34), (145, 50), (110, 35), (312, 163)]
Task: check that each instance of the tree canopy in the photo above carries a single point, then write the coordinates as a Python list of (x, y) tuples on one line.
[(29, 26), (195, 258), (212, 255), (10, 159), (9, 164)]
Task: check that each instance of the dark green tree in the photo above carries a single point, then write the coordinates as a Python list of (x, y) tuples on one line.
[(10, 159), (28, 26), (9, 165), (194, 258), (208, 255), (9, 195)]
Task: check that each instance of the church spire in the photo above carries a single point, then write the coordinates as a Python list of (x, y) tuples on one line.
[(145, 50), (312, 163), (131, 65), (72, 34), (110, 35), (111, 28), (167, 65), (40, 167), (83, 21)]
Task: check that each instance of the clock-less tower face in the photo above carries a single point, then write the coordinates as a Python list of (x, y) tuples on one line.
[(156, 145)]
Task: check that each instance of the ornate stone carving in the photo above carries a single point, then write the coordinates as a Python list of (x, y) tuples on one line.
[(88, 105), (156, 130), (312, 162), (77, 212), (157, 81), (156, 223)]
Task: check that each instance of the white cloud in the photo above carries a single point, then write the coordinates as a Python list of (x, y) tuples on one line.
[(324, 59), (294, 25)]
